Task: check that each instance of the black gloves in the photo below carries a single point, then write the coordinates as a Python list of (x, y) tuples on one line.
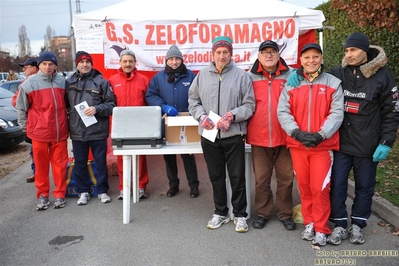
[(306, 138)]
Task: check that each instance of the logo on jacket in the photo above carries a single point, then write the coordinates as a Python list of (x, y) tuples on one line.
[(186, 83), (322, 90), (360, 95), (351, 107)]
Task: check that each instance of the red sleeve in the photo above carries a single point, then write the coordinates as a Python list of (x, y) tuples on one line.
[(14, 98)]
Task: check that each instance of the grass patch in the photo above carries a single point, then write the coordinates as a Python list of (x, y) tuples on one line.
[(387, 185)]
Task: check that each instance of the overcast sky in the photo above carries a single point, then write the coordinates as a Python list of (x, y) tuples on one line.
[(36, 15)]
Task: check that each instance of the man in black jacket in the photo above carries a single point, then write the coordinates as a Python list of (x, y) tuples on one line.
[(367, 133), (89, 96)]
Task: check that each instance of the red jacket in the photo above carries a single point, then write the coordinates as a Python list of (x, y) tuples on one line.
[(313, 107), (263, 127), (129, 91), (41, 108)]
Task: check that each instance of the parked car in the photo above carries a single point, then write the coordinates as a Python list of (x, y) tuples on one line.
[(3, 77), (11, 85), (10, 132)]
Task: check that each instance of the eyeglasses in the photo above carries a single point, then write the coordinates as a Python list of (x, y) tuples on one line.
[(271, 53)]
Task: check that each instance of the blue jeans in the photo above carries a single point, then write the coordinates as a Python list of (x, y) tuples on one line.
[(80, 153), (32, 165), (364, 170)]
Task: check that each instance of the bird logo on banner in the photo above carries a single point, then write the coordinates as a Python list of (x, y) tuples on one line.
[(118, 49)]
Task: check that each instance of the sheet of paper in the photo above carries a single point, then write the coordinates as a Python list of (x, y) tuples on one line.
[(88, 120), (211, 134)]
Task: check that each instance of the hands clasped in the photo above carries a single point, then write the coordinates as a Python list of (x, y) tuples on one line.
[(307, 138)]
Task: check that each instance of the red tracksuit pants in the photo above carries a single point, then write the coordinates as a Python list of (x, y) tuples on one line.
[(56, 154), (313, 173), (143, 172)]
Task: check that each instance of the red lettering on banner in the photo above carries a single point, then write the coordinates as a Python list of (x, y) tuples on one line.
[(160, 34), (216, 30), (150, 29), (181, 34), (242, 33), (128, 38), (170, 35), (191, 32), (255, 34), (110, 31), (204, 33), (228, 32), (290, 28), (278, 29), (266, 33)]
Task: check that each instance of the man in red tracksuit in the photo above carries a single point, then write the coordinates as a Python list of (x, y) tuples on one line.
[(130, 88), (42, 115)]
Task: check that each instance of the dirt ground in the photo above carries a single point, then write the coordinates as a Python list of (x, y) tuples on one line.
[(13, 158)]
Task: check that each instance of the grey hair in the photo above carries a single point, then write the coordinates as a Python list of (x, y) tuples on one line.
[(127, 52)]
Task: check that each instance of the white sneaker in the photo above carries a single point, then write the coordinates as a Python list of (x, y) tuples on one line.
[(355, 234), (308, 233), (43, 203), (104, 198), (83, 198), (120, 195), (320, 239), (217, 221), (241, 224), (338, 233), (142, 193)]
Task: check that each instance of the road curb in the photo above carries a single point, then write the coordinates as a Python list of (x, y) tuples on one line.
[(383, 208)]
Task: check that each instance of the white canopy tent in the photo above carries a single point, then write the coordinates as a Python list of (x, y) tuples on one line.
[(89, 30)]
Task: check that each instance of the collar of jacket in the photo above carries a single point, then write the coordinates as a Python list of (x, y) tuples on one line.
[(376, 59), (44, 76), (93, 74), (120, 71), (301, 72), (282, 67), (225, 69)]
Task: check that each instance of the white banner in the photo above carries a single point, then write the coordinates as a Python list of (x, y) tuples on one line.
[(150, 40)]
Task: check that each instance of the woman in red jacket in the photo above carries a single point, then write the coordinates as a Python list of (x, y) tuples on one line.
[(311, 115)]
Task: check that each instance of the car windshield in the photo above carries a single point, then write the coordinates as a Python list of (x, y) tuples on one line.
[(5, 94)]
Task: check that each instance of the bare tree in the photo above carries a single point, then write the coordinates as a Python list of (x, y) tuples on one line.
[(23, 42), (47, 38)]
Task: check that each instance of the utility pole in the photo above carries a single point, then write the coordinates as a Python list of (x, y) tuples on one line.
[(71, 32)]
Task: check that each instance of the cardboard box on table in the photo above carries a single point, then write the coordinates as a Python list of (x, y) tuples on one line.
[(181, 130)]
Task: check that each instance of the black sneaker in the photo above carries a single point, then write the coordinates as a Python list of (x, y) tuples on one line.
[(289, 224), (194, 193)]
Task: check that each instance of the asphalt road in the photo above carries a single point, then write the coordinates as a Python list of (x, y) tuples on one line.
[(162, 231)]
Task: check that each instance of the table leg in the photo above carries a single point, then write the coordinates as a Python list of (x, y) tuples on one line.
[(248, 168), (135, 178), (127, 167)]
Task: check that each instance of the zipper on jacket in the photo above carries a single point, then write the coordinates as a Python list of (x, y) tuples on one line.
[(220, 81), (310, 104), (57, 123), (269, 88)]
